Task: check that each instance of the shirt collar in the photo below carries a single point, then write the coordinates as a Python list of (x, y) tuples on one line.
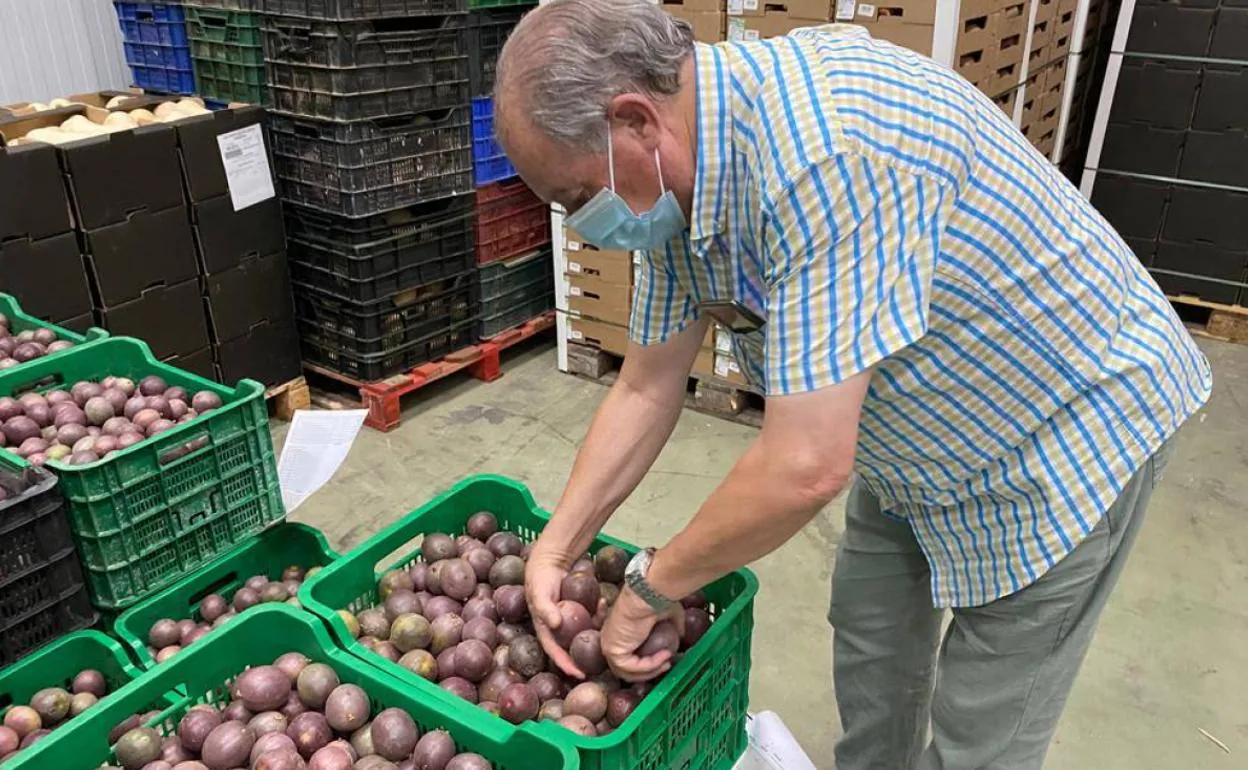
[(714, 133)]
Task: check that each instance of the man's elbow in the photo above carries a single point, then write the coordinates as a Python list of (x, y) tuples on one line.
[(817, 477)]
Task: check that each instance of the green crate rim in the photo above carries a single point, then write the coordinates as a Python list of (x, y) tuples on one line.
[(20, 320), (231, 650), (233, 398), (59, 660), (128, 627), (398, 534)]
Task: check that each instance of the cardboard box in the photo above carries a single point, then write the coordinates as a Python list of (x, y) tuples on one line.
[(148, 249), (1135, 207), (33, 201), (226, 237), (916, 37), (710, 6), (606, 265), (135, 99), (726, 368), (605, 336), (1006, 102), (1003, 78), (765, 27), (79, 323), (898, 11), (708, 26), (1207, 215), (1041, 35), (201, 155), (1055, 74), (1143, 149), (198, 362), (594, 298), (46, 276), (1201, 259), (1171, 28), (268, 352), (704, 364), (114, 175), (1046, 10), (1220, 157), (247, 295), (1223, 100), (1156, 92), (744, 7), (169, 318), (1230, 35)]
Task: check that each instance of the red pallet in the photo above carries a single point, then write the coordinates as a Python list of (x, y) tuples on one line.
[(382, 398), (511, 220)]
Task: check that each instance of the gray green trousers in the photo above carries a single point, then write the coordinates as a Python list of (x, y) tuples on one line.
[(993, 688)]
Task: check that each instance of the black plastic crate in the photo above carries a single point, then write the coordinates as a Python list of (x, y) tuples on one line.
[(375, 327), (370, 368), (366, 69), (502, 278), (42, 592), (514, 315), (368, 237), (487, 31), (369, 167), (347, 10), (379, 286)]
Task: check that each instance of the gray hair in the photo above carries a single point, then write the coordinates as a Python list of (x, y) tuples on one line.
[(566, 60)]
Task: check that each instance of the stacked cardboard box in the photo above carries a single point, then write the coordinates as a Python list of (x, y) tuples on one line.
[(600, 293), (707, 17), (149, 243), (717, 361)]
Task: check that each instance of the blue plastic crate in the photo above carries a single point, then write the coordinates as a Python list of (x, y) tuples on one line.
[(164, 80), (490, 163), (152, 23)]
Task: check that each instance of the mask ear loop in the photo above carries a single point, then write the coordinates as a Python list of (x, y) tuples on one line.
[(611, 158), (659, 165)]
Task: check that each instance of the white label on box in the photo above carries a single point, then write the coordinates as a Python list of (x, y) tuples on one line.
[(734, 7), (751, 34), (866, 10), (723, 340), (571, 245), (246, 164), (576, 334), (637, 258), (574, 291), (845, 10), (750, 5), (574, 267), (721, 367)]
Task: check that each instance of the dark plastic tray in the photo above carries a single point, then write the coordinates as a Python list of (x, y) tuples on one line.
[(370, 368)]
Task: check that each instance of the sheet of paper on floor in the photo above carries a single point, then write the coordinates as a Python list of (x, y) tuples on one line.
[(316, 445)]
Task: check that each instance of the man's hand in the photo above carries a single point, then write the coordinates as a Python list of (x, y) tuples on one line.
[(627, 629), (543, 578)]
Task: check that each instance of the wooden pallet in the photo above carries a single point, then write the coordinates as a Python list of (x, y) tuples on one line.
[(706, 394), (1214, 320), (382, 398), (288, 397)]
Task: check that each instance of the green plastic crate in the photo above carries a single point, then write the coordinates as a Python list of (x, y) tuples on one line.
[(221, 25), (231, 82), (147, 516), (247, 55), (258, 638), (56, 664), (275, 549), (693, 720), (20, 321)]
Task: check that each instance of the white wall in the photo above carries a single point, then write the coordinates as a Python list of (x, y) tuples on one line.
[(51, 48)]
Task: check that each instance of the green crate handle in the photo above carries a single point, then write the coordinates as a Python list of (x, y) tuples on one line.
[(351, 582), (77, 363), (56, 664), (269, 552), (258, 637)]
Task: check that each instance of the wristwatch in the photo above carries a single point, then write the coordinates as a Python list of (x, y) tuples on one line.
[(635, 578)]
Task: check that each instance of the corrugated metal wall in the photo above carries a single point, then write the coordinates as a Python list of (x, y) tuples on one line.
[(51, 48)]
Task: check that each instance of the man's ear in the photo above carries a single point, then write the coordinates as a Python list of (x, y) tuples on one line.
[(637, 115)]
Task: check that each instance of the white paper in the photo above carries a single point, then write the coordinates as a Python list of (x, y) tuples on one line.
[(845, 10), (750, 5), (866, 10), (734, 7), (772, 746), (246, 166), (316, 445)]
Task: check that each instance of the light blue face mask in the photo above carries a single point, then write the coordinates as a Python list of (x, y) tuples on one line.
[(607, 222)]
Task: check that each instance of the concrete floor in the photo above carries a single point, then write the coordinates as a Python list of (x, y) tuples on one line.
[(1171, 657)]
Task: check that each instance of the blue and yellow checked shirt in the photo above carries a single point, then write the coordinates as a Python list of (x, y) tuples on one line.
[(880, 212)]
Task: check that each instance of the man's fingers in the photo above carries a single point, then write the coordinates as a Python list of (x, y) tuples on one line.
[(632, 668), (557, 654), (677, 616)]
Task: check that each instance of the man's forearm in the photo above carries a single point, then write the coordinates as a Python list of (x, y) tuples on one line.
[(757, 508), (625, 437)]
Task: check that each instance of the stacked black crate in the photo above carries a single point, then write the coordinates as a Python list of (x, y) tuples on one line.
[(1172, 172), (515, 276), (372, 139)]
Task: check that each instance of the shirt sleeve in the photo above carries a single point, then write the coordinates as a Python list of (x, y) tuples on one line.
[(662, 308), (851, 244)]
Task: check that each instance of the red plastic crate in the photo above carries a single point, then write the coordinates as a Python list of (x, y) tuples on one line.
[(511, 220)]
